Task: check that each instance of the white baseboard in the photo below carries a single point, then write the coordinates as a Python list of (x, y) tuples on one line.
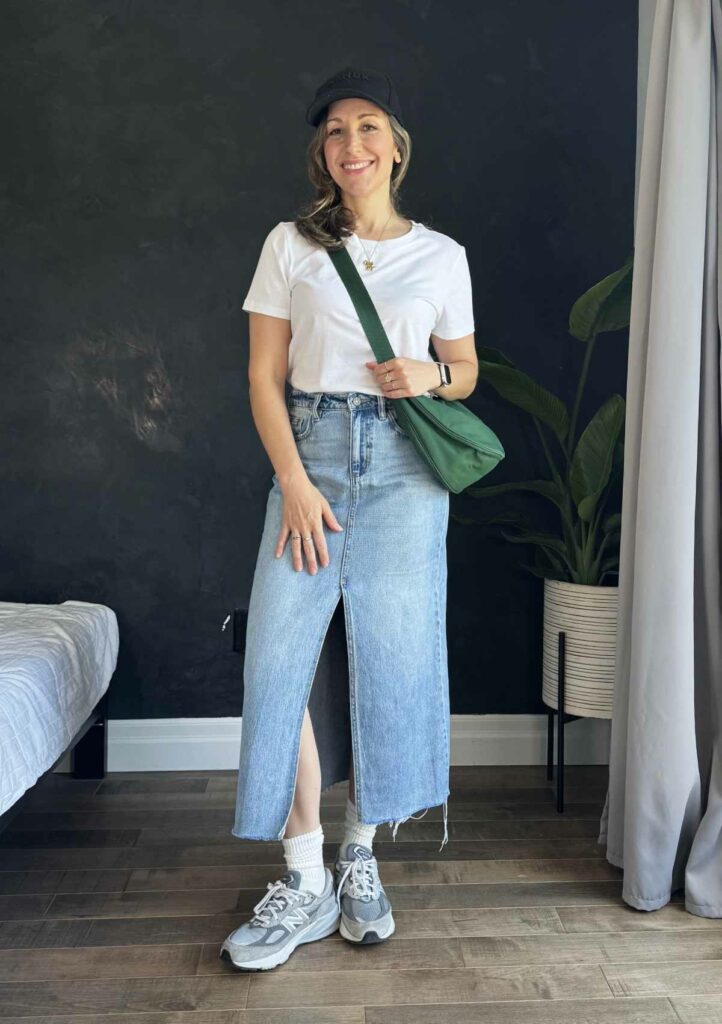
[(212, 744)]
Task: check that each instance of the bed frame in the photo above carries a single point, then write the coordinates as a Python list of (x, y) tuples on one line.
[(88, 751)]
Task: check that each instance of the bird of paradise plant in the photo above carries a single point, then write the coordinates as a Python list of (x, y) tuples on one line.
[(582, 470)]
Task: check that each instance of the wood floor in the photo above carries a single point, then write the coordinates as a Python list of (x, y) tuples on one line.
[(115, 897)]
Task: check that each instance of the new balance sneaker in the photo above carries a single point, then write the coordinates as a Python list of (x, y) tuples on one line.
[(363, 904), (282, 920)]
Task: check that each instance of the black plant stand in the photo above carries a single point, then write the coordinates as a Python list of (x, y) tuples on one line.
[(562, 719)]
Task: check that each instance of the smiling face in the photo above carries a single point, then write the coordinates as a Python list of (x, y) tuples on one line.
[(358, 146)]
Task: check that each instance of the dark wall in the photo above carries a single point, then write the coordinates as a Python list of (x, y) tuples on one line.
[(149, 147)]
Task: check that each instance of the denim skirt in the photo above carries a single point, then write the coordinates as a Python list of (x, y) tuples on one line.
[(389, 708)]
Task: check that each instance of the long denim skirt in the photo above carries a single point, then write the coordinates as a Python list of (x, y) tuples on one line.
[(390, 707)]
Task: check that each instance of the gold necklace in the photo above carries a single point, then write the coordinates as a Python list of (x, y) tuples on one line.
[(368, 262)]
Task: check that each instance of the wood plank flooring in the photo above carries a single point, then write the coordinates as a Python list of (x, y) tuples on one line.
[(115, 897)]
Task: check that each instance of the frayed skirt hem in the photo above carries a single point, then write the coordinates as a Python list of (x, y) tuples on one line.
[(393, 824)]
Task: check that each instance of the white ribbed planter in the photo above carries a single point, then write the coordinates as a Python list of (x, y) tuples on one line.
[(588, 616)]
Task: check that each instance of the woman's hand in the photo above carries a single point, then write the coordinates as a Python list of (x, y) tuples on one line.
[(304, 512), (407, 377)]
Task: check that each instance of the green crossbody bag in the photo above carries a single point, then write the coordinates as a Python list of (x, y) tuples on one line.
[(457, 445)]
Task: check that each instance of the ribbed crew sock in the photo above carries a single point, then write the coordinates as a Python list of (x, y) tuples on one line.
[(354, 831), (305, 854)]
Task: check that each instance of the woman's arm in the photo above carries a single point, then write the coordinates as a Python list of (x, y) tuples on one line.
[(305, 508), (460, 355), (270, 337)]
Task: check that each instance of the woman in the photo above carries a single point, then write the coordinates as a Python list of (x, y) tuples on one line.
[(343, 461)]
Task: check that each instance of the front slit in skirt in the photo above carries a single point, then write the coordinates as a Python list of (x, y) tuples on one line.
[(388, 565)]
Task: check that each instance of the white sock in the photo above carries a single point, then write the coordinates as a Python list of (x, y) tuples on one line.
[(305, 854), (354, 832)]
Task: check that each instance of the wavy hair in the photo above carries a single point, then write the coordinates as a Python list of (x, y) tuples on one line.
[(324, 220)]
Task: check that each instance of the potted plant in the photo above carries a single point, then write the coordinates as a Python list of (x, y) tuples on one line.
[(581, 470)]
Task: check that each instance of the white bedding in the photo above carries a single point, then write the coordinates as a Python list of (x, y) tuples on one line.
[(56, 662)]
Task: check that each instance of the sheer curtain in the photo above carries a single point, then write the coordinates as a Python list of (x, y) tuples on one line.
[(662, 820)]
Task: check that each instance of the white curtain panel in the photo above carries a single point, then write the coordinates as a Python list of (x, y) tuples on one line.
[(662, 820)]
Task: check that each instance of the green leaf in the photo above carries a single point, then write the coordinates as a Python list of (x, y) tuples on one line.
[(617, 462), (546, 488), (551, 547), (541, 573), (545, 539), (464, 520), (492, 355), (612, 522), (592, 460), (605, 306), (519, 389), (554, 565), (510, 518)]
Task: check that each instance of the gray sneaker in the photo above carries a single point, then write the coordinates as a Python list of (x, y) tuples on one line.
[(364, 906), (284, 918)]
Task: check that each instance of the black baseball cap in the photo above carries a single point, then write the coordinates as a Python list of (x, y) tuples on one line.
[(365, 82)]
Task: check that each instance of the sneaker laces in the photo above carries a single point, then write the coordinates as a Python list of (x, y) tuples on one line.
[(363, 882), (278, 898)]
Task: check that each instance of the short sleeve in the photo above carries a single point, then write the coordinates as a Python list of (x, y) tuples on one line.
[(270, 290), (456, 317)]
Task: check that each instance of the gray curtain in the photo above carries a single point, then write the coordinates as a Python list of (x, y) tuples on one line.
[(662, 820)]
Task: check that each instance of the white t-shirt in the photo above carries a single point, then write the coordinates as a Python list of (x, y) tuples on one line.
[(420, 286)]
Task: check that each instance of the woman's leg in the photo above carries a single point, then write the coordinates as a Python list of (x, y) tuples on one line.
[(261, 944), (354, 832), (305, 810)]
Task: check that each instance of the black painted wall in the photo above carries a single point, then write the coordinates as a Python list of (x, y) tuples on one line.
[(149, 147)]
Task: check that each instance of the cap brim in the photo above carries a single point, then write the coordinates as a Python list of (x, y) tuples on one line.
[(315, 111)]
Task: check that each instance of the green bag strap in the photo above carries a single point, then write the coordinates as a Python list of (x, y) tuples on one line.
[(363, 302)]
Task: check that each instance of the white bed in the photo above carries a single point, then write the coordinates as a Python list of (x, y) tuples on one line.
[(56, 662)]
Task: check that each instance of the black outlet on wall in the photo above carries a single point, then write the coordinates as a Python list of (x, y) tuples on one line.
[(240, 621)]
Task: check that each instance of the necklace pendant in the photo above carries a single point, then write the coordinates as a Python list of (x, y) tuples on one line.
[(368, 264)]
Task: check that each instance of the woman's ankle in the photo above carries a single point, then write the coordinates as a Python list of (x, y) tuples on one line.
[(304, 853), (354, 831)]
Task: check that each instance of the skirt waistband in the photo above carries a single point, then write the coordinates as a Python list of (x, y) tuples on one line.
[(327, 399)]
